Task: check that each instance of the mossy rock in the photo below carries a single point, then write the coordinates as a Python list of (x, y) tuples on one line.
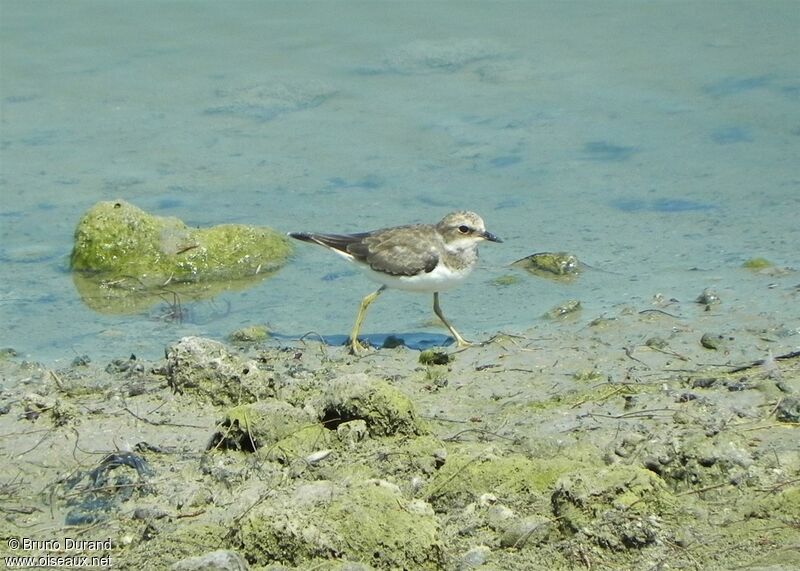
[(757, 264), (385, 409), (783, 506), (206, 369), (118, 239), (250, 334), (267, 424), (465, 476), (299, 444), (612, 507), (369, 522)]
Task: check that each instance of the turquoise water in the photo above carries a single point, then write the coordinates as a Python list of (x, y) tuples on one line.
[(659, 142)]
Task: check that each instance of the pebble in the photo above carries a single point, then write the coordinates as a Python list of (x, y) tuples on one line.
[(221, 560)]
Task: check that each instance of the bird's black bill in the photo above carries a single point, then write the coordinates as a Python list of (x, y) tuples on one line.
[(491, 237)]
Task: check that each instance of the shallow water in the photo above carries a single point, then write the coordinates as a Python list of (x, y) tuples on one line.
[(657, 142)]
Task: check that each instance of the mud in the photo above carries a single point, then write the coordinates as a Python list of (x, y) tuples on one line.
[(622, 444)]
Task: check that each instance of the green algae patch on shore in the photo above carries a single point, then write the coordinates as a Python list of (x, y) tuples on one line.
[(465, 476), (263, 424), (370, 522), (385, 409), (121, 250), (614, 506)]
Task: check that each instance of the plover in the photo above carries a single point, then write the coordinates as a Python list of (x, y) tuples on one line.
[(417, 257)]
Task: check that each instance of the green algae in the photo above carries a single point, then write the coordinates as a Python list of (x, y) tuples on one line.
[(251, 334), (368, 522), (466, 475), (125, 259), (117, 238), (384, 408), (757, 264), (266, 424), (612, 506)]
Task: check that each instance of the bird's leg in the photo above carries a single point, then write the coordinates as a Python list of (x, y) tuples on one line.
[(353, 342), (460, 341)]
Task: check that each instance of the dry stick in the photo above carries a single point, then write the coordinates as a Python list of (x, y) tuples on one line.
[(784, 357), (454, 476), (661, 311), (482, 431), (159, 422), (706, 489), (634, 414)]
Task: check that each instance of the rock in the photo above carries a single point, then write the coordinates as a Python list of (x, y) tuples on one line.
[(788, 410), (385, 409), (119, 239), (366, 521), (475, 557), (207, 369), (275, 428), (221, 560), (465, 477), (611, 507), (531, 530)]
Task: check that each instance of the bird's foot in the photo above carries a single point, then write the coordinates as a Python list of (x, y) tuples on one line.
[(356, 347), (462, 343)]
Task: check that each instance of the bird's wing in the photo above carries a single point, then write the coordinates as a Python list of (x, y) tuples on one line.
[(340, 242), (392, 252)]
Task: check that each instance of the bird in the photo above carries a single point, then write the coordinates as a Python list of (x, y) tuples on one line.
[(416, 257)]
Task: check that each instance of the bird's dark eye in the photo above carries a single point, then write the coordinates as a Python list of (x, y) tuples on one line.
[(463, 229)]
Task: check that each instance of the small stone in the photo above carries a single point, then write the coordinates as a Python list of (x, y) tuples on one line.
[(564, 309), (708, 297), (788, 410), (714, 341), (221, 560), (475, 557), (434, 357), (498, 515), (530, 530), (251, 334)]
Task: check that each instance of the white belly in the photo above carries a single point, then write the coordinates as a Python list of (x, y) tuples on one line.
[(440, 279)]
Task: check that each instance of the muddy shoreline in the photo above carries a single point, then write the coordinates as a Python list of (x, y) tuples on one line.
[(643, 440)]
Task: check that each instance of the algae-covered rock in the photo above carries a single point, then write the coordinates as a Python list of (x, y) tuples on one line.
[(207, 369), (369, 521), (698, 461), (264, 424), (554, 265), (385, 409), (251, 334), (464, 477), (117, 238), (757, 264), (613, 507), (567, 309)]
